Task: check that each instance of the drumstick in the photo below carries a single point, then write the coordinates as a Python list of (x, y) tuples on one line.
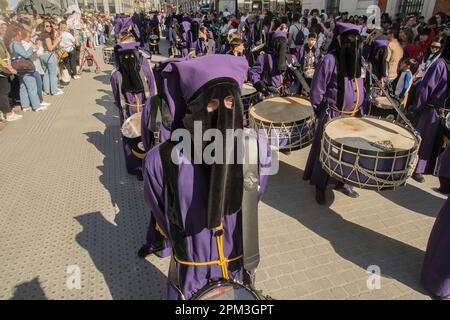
[(388, 96)]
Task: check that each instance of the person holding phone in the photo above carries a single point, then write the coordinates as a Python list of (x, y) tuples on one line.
[(49, 60)]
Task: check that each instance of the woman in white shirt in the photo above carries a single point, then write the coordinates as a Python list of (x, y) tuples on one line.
[(67, 44)]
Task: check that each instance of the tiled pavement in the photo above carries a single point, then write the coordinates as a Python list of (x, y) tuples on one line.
[(66, 200)]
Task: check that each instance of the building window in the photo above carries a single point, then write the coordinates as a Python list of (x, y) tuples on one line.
[(410, 6)]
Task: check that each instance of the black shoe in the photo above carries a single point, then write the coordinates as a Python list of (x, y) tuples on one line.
[(418, 177), (348, 192), (144, 251), (320, 196)]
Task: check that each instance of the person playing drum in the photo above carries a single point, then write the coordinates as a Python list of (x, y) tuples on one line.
[(432, 102), (270, 73), (198, 206), (337, 88), (132, 85)]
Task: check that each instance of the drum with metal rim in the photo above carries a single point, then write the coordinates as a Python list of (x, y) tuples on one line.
[(131, 132), (287, 122), (249, 96), (368, 152), (227, 290), (108, 55)]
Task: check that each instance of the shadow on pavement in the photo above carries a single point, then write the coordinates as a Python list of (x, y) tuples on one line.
[(113, 246), (428, 206), (353, 242), (30, 290)]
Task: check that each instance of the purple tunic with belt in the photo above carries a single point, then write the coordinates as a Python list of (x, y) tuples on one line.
[(324, 89), (202, 244), (134, 102), (430, 96), (201, 241), (436, 266)]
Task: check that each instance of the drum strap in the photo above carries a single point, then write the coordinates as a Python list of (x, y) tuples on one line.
[(250, 204)]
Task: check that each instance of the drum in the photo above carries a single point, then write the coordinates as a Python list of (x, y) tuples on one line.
[(227, 290), (249, 97), (131, 132), (108, 55), (382, 107), (154, 39), (287, 122), (368, 152)]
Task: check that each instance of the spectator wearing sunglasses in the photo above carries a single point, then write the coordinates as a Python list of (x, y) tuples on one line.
[(49, 59), (433, 53)]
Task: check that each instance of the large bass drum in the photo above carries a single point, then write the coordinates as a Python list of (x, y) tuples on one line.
[(249, 97), (131, 132), (227, 290), (369, 153), (288, 123)]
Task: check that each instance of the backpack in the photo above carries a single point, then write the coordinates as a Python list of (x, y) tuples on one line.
[(300, 37)]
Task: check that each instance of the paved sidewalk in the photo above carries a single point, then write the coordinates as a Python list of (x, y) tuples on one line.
[(67, 203)]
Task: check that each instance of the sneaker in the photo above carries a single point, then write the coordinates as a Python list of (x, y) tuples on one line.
[(13, 117), (58, 93), (45, 104), (45, 93), (26, 109), (76, 77), (40, 109)]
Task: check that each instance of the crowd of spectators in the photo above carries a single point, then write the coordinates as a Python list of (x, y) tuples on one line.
[(40, 54)]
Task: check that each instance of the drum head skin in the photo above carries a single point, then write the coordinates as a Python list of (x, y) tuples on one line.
[(282, 110), (370, 134), (247, 89), (131, 128)]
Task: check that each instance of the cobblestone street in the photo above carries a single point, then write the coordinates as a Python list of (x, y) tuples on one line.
[(67, 200)]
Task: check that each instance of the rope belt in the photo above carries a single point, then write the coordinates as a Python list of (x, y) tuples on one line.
[(222, 262), (137, 105), (355, 108)]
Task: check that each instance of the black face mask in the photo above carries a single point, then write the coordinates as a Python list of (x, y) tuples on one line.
[(130, 68), (378, 59), (224, 181), (350, 54), (280, 48)]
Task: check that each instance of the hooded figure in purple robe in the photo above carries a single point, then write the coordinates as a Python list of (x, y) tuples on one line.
[(432, 96), (251, 37), (197, 206), (436, 266), (336, 89), (271, 74), (132, 86)]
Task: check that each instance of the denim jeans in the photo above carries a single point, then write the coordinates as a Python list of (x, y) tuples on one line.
[(49, 63), (38, 78), (100, 38), (28, 91)]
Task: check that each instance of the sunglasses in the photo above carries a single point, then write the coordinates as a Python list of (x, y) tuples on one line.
[(435, 47), (47, 26)]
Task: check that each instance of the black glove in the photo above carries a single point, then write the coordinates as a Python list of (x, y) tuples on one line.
[(260, 86)]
